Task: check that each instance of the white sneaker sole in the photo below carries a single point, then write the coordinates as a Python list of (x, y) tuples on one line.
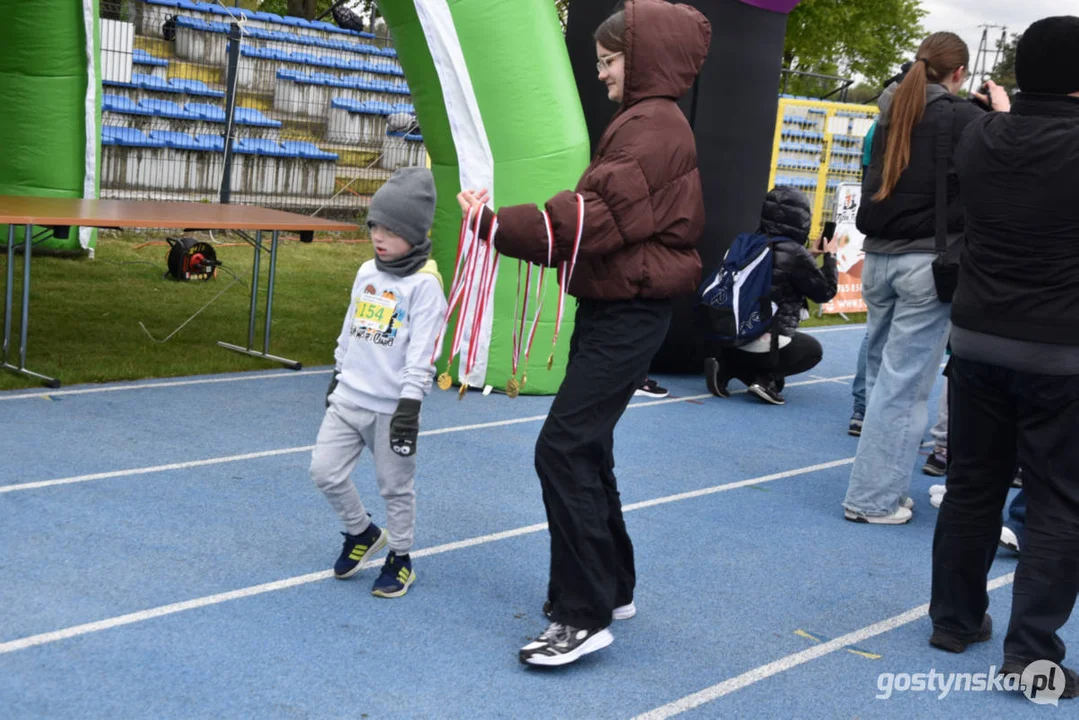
[(902, 516), (597, 642), (399, 593), (1008, 539), (383, 538), (625, 612)]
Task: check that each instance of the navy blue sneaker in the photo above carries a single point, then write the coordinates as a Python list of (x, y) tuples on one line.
[(358, 548), (856, 422), (397, 575)]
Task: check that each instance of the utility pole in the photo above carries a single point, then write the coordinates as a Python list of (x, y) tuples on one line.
[(981, 69)]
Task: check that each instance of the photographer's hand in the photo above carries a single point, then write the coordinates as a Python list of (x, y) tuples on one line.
[(997, 97)]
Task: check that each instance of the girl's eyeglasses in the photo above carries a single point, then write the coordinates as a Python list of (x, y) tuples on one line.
[(605, 62)]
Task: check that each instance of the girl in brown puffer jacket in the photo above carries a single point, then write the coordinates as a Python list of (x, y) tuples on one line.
[(643, 217)]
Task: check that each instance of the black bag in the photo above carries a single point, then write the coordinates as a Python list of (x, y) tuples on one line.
[(946, 264)]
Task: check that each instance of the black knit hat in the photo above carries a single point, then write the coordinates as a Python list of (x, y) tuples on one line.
[(1047, 59)]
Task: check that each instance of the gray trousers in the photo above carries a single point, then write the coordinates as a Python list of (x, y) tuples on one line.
[(346, 430), (939, 432)]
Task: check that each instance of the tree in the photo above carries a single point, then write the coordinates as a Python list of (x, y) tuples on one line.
[(1004, 73), (867, 38)]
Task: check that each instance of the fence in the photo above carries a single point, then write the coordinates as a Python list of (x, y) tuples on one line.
[(818, 145), (319, 119)]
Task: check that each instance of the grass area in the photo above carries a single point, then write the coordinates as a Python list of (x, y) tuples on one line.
[(85, 314)]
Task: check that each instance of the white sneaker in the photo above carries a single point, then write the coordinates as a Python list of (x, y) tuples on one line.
[(1008, 539), (907, 502), (938, 489), (625, 612), (901, 516)]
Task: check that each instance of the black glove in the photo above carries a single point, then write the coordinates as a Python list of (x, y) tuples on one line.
[(405, 427), (329, 390)]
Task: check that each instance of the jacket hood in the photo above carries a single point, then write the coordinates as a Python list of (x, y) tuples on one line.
[(787, 213), (666, 45), (933, 91)]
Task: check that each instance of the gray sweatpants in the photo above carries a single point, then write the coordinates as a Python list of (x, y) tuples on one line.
[(346, 430), (939, 432)]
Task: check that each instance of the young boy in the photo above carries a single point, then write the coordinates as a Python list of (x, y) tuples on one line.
[(382, 372)]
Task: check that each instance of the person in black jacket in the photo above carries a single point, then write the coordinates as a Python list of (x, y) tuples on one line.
[(908, 324), (787, 217), (1014, 374)]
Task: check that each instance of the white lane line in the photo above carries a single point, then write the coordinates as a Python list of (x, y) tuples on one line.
[(154, 386), (37, 485), (837, 328), (173, 608), (822, 330), (783, 664)]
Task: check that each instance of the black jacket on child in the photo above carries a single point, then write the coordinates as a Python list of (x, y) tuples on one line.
[(787, 216)]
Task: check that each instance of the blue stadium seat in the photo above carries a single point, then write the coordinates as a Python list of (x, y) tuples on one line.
[(149, 82), (262, 146), (167, 108), (130, 137), (195, 87), (253, 116), (141, 57), (209, 113), (163, 3), (307, 150), (178, 140), (214, 143), (121, 104)]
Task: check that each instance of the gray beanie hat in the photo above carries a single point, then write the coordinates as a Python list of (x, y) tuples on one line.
[(406, 205)]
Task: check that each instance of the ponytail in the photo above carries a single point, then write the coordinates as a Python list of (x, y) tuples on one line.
[(940, 55)]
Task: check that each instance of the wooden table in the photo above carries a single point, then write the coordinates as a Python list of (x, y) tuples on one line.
[(62, 214)]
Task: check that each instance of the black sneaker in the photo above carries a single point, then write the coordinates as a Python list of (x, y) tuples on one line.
[(358, 548), (715, 379), (856, 422), (768, 393), (944, 641), (649, 388), (1071, 678), (563, 644), (937, 464), (1017, 481)]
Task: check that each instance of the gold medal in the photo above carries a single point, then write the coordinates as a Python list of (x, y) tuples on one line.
[(524, 379), (550, 361), (512, 388), (445, 381), (462, 391)]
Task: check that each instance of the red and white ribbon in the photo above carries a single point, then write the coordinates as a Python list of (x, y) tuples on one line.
[(565, 270)]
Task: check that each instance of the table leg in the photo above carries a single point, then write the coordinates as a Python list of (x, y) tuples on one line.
[(254, 289), (269, 294), (24, 328), (9, 289), (265, 354)]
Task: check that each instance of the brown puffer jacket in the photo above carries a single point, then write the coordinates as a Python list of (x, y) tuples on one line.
[(644, 211)]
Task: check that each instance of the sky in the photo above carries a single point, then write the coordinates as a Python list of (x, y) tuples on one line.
[(964, 17)]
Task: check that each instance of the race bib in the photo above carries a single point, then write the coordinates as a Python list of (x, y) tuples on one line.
[(374, 313)]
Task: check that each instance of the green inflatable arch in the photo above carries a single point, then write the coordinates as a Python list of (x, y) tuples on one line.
[(498, 110), (51, 88)]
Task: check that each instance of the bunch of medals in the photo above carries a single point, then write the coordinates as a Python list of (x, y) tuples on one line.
[(475, 252)]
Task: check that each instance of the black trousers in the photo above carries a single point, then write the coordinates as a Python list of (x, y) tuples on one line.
[(592, 570), (802, 354), (999, 415)]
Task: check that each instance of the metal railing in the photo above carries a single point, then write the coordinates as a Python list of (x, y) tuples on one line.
[(316, 117)]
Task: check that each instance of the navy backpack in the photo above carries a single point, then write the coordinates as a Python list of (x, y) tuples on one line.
[(737, 296)]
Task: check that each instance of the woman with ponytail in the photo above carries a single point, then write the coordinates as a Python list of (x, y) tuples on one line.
[(908, 324)]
